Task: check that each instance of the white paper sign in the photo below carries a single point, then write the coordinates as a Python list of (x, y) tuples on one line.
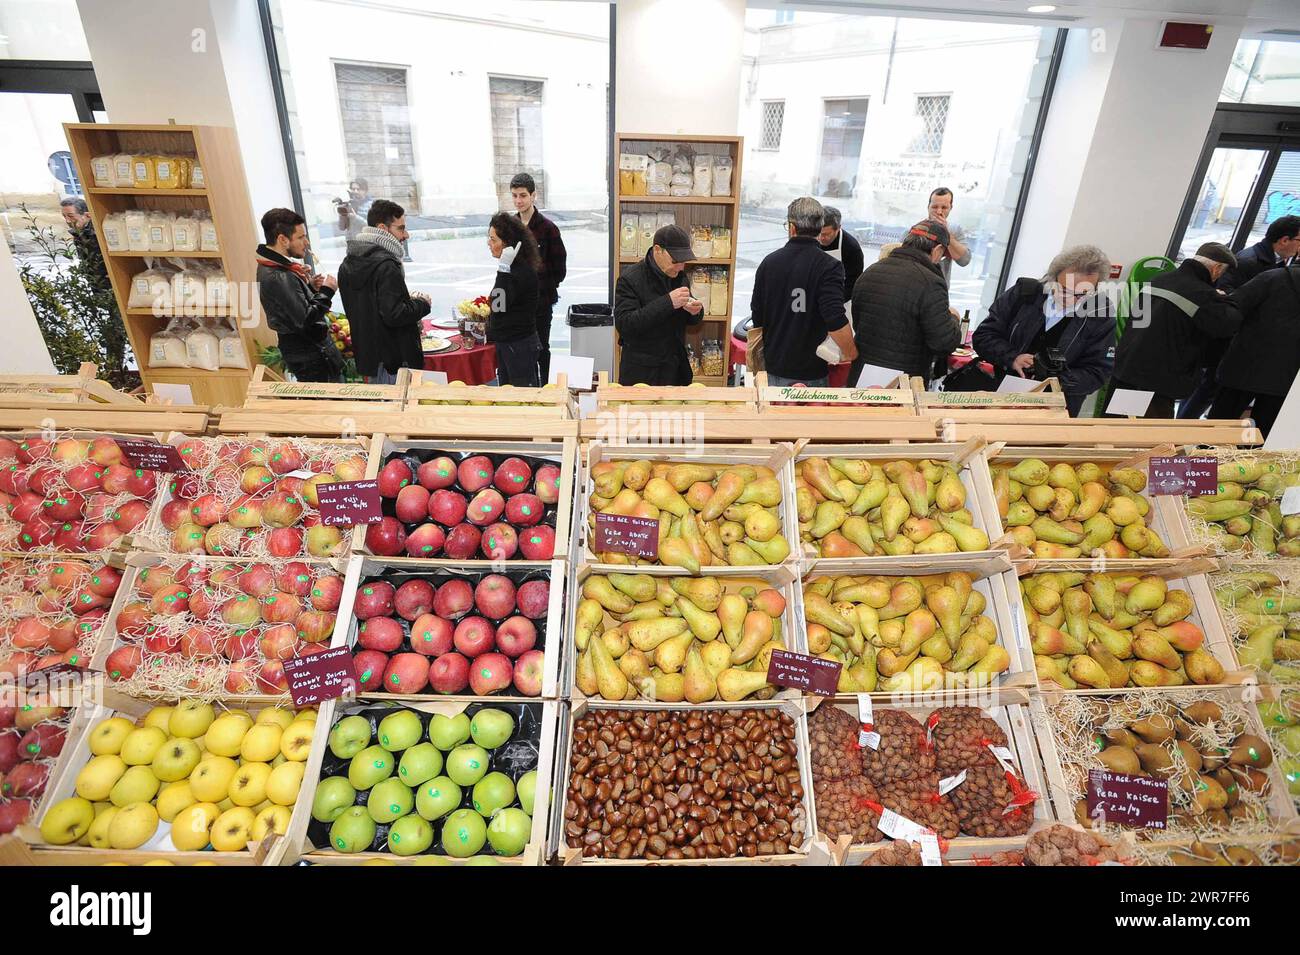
[(930, 854), (1291, 501), (1003, 756), (865, 714), (1017, 628), (176, 394), (1012, 382), (586, 405), (873, 376), (949, 783), (578, 367), (1126, 402), (868, 740), (434, 377), (900, 827)]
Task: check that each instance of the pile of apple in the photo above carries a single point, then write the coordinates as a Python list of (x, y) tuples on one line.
[(71, 494), (392, 775), (485, 506), (52, 611), (251, 498), (31, 738), (185, 777), (212, 627), (446, 633)]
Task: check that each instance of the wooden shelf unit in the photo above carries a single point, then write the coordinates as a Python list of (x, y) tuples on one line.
[(226, 200), (689, 211)]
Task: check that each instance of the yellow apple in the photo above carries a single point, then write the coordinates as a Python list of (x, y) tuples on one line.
[(174, 797), (271, 819), (133, 826), (283, 784), (160, 862), (231, 830), (138, 784), (176, 759), (97, 835), (295, 744), (191, 719), (191, 825), (226, 733), (142, 745), (262, 743), (225, 805), (306, 714), (159, 717), (107, 736), (248, 787), (211, 778), (275, 715), (98, 777), (67, 821)]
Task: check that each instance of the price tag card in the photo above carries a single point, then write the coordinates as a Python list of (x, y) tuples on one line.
[(349, 502), (621, 534), (1125, 401), (1291, 501), (949, 783), (1138, 802), (865, 714), (803, 672), (874, 376), (1193, 476), (868, 739), (151, 455), (1014, 383), (930, 854), (1003, 756), (900, 827), (1202, 475), (320, 676)]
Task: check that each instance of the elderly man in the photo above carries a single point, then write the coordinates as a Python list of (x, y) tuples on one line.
[(82, 229), (652, 310), (798, 301)]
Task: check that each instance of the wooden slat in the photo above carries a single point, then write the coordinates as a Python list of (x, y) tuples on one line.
[(99, 420), (449, 423), (1095, 431)]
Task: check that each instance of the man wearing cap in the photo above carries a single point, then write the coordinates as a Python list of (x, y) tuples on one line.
[(652, 310), (900, 306), (1179, 315), (798, 301)]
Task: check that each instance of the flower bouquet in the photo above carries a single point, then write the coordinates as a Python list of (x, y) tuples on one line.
[(473, 320)]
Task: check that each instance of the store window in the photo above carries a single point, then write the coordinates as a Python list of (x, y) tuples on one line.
[(1263, 72), (773, 119), (437, 107), (866, 130)]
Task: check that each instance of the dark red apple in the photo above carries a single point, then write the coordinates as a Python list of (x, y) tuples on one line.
[(142, 483), (525, 510), (175, 513), (516, 635), (413, 598), (374, 599), (533, 598), (195, 453), (462, 543), (454, 599), (406, 673), (157, 642), (13, 814), (548, 484), (425, 541), (529, 669), (257, 580), (495, 596), (380, 633), (412, 504), (103, 537), (122, 663), (70, 537), (25, 506), (486, 507), (83, 477), (369, 665), (271, 677), (67, 506), (431, 635), (475, 473), (37, 533), (282, 509), (11, 751), (104, 580), (538, 543), (185, 485), (513, 476), (253, 454), (449, 673), (44, 741), (387, 538), (394, 476), (326, 592), (447, 507), (46, 478), (208, 510), (474, 636), (437, 473), (241, 644), (130, 516), (489, 673), (27, 780), (285, 458), (13, 479), (500, 542)]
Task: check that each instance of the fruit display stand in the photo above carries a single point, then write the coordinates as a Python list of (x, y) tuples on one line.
[(1259, 608), (966, 460), (896, 400), (159, 846), (533, 750), (1184, 731), (268, 393), (753, 642), (599, 457), (1244, 520), (420, 618), (571, 765), (1006, 659), (485, 408), (1007, 721), (1043, 402), (536, 455)]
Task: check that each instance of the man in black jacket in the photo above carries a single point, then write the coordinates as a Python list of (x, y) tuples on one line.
[(1180, 315), (554, 262), (652, 310), (1036, 325), (798, 300), (900, 306), (842, 247), (296, 307), (1264, 357), (384, 316)]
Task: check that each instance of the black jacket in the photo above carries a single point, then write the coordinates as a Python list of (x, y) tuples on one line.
[(385, 319), (851, 258), (1251, 261), (514, 304), (297, 313), (1265, 355), (900, 313), (651, 332), (554, 264), (1164, 347), (798, 298), (1014, 321)]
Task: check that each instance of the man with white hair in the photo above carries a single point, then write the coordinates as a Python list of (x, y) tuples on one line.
[(1179, 316)]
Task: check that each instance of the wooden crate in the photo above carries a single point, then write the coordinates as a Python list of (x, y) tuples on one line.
[(809, 851), (1010, 709), (711, 399), (1138, 433), (549, 718), (1187, 531), (564, 453), (1044, 402), (268, 392), (995, 578), (851, 405), (781, 577), (15, 852), (553, 641), (1204, 590), (548, 404), (270, 852), (779, 459), (971, 468)]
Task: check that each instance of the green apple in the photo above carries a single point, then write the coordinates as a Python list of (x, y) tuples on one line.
[(349, 736), (399, 730), (467, 764), (463, 834), (509, 830), (526, 787), (373, 764), (431, 860), (419, 764), (333, 795), (389, 800), (482, 860), (409, 835), (494, 791), (437, 797), (491, 727), (353, 830), (448, 732)]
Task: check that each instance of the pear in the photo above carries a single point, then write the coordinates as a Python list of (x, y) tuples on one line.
[(1030, 472), (734, 684), (665, 497), (663, 687), (587, 620), (1092, 498), (625, 502), (716, 656), (1062, 475), (904, 597), (816, 471), (946, 607), (1153, 647), (950, 494), (636, 474), (900, 546), (646, 635), (757, 630), (704, 592), (639, 587), (919, 529), (937, 647), (1121, 759), (1202, 668), (607, 477), (1050, 641), (762, 525), (610, 681), (828, 517), (1077, 606), (1020, 514), (1147, 594), (698, 684), (916, 492), (1122, 511), (937, 544), (967, 538), (704, 625), (970, 650), (1101, 588), (730, 533), (584, 672), (1050, 531), (1116, 671), (863, 675), (1088, 471), (681, 476), (919, 626), (1098, 530), (1048, 670), (873, 591), (1090, 673), (870, 497), (1135, 536), (674, 552), (738, 512), (1117, 642), (713, 538), (922, 675), (1001, 490), (1045, 551), (635, 666), (855, 469), (856, 531), (671, 654), (770, 552), (601, 590), (1040, 498), (805, 503), (971, 600), (765, 492), (1130, 478)]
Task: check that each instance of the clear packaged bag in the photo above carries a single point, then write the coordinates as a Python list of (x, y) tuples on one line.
[(185, 234), (202, 348), (160, 231), (700, 286), (233, 354), (189, 291), (646, 237), (197, 180), (721, 242), (101, 171), (628, 232), (123, 171), (167, 347), (632, 174), (702, 175), (722, 168), (702, 241), (113, 232), (719, 292), (137, 230), (680, 185), (208, 241), (663, 219), (216, 289)]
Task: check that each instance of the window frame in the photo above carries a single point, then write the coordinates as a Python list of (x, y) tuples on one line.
[(917, 97), (762, 123), (821, 137)]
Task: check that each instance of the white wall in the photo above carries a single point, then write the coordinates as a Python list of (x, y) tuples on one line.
[(24, 351)]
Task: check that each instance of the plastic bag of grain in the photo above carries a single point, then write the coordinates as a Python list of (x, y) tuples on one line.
[(628, 231), (722, 168), (144, 172), (216, 288), (189, 291), (167, 172), (208, 235), (680, 185), (233, 354), (719, 297), (167, 347), (185, 234), (700, 286), (702, 175), (197, 179), (101, 171), (202, 348), (137, 230), (721, 242), (113, 231), (160, 231), (646, 237), (123, 171), (663, 219), (632, 174), (702, 241), (141, 294)]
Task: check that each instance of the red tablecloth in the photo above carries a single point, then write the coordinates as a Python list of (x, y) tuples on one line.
[(838, 377), (474, 366), (962, 357)]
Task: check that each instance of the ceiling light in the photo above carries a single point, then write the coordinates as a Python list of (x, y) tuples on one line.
[(1042, 8)]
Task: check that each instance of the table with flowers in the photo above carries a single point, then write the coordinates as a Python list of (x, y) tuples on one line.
[(470, 358)]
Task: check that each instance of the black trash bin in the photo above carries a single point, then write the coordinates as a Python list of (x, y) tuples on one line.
[(592, 335)]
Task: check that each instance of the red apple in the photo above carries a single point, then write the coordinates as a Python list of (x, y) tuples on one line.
[(83, 477), (533, 598), (489, 673), (13, 814), (174, 513), (37, 533), (548, 484), (201, 641), (195, 453), (380, 633), (412, 504), (191, 573), (104, 451), (369, 665), (475, 473), (241, 645), (387, 538), (70, 450), (323, 541), (33, 449), (517, 635), (142, 483), (157, 643), (425, 541), (67, 575), (46, 479), (63, 636), (279, 607), (462, 543), (413, 598), (130, 516), (290, 485), (203, 601), (437, 473), (43, 741), (327, 592), (447, 507), (454, 599), (271, 677), (25, 506), (538, 543), (495, 596), (284, 542), (431, 635), (294, 578), (250, 454), (528, 673), (257, 580), (13, 479), (70, 537), (31, 633), (406, 673), (351, 468), (513, 476), (314, 626), (525, 510), (7, 713), (374, 599), (103, 537), (394, 476), (241, 610), (8, 449), (150, 580), (449, 673), (500, 542), (246, 512), (277, 643), (282, 509), (11, 750), (185, 485), (486, 508), (285, 458), (208, 510), (18, 663), (170, 601), (474, 636), (122, 663), (241, 678), (27, 780), (83, 601), (133, 618)]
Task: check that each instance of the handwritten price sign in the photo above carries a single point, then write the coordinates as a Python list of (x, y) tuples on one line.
[(321, 676), (1134, 801), (803, 672), (349, 502)]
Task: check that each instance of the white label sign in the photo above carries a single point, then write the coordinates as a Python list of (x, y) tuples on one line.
[(1012, 382), (930, 854), (865, 714), (900, 827), (434, 377), (1291, 501), (1126, 402), (1003, 756), (868, 740), (949, 783), (874, 376), (579, 368)]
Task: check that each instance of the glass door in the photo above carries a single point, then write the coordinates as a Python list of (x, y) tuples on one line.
[(1279, 196), (1224, 193), (36, 170)]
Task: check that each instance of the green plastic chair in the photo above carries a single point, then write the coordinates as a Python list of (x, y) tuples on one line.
[(1141, 272)]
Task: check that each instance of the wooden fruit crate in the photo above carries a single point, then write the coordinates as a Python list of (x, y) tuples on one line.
[(15, 852), (851, 404), (268, 392), (1044, 402), (1139, 433), (540, 406), (712, 400), (1189, 531)]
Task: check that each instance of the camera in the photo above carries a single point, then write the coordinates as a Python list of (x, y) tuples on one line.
[(1049, 363)]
